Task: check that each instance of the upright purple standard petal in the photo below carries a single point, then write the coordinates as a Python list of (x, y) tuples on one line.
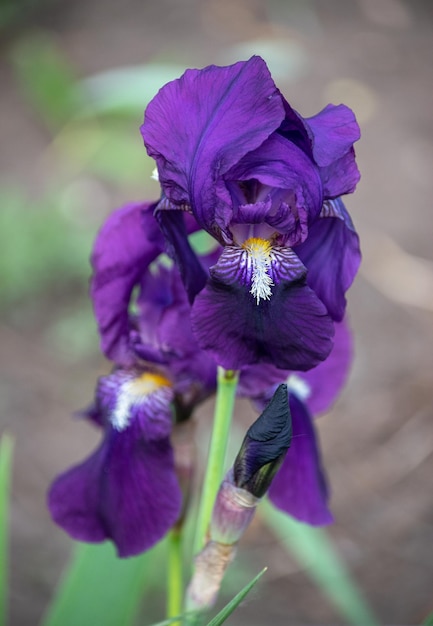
[(296, 130), (282, 167), (125, 246), (332, 256), (299, 487), (126, 491), (334, 131), (200, 125)]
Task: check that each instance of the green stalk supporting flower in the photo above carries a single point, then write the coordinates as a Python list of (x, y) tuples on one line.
[(226, 392)]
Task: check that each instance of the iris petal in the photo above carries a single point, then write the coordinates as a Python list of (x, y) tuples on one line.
[(281, 165), (125, 246), (333, 131), (174, 229), (290, 329), (326, 380), (332, 256), (126, 491), (199, 126), (299, 487)]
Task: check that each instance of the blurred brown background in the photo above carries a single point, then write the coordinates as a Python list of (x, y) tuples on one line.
[(60, 176)]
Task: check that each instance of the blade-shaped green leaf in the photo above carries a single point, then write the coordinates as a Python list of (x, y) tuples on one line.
[(233, 604), (99, 588), (313, 550), (428, 621), (6, 448), (172, 620)]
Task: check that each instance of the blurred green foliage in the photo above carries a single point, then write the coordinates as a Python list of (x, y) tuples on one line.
[(6, 451), (39, 247), (313, 549), (94, 152), (46, 79), (99, 588)]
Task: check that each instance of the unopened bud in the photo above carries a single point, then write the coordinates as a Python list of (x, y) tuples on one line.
[(262, 452), (265, 446)]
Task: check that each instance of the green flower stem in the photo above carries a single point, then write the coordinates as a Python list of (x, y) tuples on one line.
[(174, 575), (225, 399)]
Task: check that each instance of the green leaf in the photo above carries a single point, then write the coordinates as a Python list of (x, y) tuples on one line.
[(6, 448), (233, 604), (99, 588), (313, 550), (172, 620), (428, 621)]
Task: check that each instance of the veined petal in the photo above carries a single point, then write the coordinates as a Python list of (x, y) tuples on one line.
[(299, 487), (334, 131), (325, 382), (282, 323), (258, 381), (128, 396), (188, 363), (332, 256), (281, 165), (258, 265), (126, 491), (341, 177), (193, 275), (127, 243), (318, 388), (295, 130), (200, 125)]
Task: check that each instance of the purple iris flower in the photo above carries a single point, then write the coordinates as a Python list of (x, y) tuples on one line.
[(266, 184), (127, 490), (300, 487)]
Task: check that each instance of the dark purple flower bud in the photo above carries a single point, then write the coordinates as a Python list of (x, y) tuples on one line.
[(265, 446)]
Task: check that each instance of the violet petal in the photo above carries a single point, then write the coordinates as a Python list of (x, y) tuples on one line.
[(291, 329), (334, 132), (200, 125), (281, 165), (299, 487), (326, 381), (126, 491), (332, 256), (193, 275), (127, 243)]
